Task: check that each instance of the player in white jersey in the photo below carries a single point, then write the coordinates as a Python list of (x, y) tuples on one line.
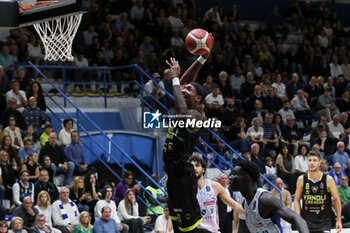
[(262, 209), (207, 194)]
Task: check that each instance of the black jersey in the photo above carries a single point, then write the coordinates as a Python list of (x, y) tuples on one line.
[(182, 181), (317, 204)]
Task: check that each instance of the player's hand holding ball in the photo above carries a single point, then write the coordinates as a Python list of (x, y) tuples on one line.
[(199, 42)]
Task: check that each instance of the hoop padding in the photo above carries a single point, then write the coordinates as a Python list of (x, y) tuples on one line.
[(57, 36)]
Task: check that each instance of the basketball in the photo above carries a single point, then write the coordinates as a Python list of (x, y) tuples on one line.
[(199, 41)]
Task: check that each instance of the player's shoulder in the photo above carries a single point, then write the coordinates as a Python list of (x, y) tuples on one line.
[(268, 199)]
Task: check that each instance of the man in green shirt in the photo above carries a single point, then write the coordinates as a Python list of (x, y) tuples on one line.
[(344, 190)]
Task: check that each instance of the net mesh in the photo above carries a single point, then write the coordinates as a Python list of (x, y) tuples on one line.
[(57, 36)]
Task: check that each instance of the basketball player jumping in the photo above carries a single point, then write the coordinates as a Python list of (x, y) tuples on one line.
[(208, 191), (179, 145), (262, 209), (316, 189)]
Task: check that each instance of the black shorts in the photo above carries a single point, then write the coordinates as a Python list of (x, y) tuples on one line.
[(182, 189)]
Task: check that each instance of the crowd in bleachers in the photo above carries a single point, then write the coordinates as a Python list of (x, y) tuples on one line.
[(277, 98)]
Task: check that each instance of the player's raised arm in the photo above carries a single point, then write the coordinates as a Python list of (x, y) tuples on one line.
[(270, 206), (222, 194), (191, 73)]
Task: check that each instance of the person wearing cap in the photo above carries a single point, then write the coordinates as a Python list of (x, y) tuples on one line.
[(152, 89), (44, 137), (168, 86), (18, 94)]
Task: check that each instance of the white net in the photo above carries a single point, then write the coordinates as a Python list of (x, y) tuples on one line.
[(57, 36)]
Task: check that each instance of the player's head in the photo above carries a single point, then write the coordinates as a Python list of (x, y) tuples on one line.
[(245, 174), (313, 161), (193, 94), (199, 165)]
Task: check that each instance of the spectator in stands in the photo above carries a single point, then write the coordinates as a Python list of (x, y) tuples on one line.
[(236, 80), (106, 222), (253, 98), (35, 52), (33, 115), (3, 226), (343, 103), (128, 212), (23, 80), (7, 60), (265, 84), (156, 194), (44, 137), (225, 212), (19, 95), (293, 86), (78, 195), (336, 128), (12, 111), (14, 133), (327, 145), (322, 124), (301, 108), (257, 112), (337, 172), (271, 102), (236, 135), (36, 90), (23, 188), (128, 182), (224, 84), (229, 113), (30, 134), (154, 90), (270, 136), (335, 68), (344, 190), (292, 135), (300, 161), (44, 184), (28, 149), (91, 187), (286, 197), (106, 200), (168, 86), (12, 151), (286, 111), (59, 164), (46, 164), (340, 155), (4, 87), (330, 84), (163, 223), (84, 225), (247, 87), (8, 172), (89, 34), (27, 212), (75, 154), (214, 96), (255, 133), (17, 225), (279, 85), (326, 105), (31, 164), (175, 21), (40, 225), (312, 91), (207, 85), (65, 214), (65, 133), (285, 168)]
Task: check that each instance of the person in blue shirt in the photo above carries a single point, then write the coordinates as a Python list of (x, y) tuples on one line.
[(75, 153), (340, 155), (106, 223), (28, 149)]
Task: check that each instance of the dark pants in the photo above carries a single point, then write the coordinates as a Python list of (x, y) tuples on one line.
[(242, 227), (226, 225), (135, 225), (290, 179), (305, 116)]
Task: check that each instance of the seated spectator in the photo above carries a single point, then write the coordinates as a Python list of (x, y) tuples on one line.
[(255, 133), (286, 111), (128, 182), (312, 91), (40, 225), (19, 95), (65, 214), (106, 222), (33, 115), (286, 197), (326, 105), (36, 90), (12, 111), (265, 84), (301, 108), (4, 226), (270, 134), (91, 187), (152, 92), (251, 101), (229, 114), (32, 165), (340, 155), (285, 168), (15, 133), (236, 135), (292, 135), (75, 154), (168, 86), (28, 149), (44, 207), (327, 145), (271, 101), (344, 190), (321, 125), (344, 121), (12, 152), (336, 128), (34, 136), (17, 225), (78, 195), (23, 188), (44, 137), (7, 171), (44, 184), (336, 173), (258, 111), (248, 86), (224, 85), (343, 103), (293, 86), (46, 164), (58, 158), (27, 212), (84, 225), (106, 200), (214, 96), (300, 161), (324, 166), (128, 212), (157, 194), (236, 81), (278, 123), (163, 223), (279, 85), (65, 133)]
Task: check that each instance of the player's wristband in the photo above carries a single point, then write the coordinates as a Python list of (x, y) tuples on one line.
[(201, 60), (176, 81)]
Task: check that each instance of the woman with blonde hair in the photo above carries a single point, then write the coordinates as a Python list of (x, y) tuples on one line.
[(128, 212), (84, 225), (32, 165), (78, 194), (43, 206), (17, 225)]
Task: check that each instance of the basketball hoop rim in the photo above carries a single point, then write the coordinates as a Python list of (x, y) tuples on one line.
[(52, 18)]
